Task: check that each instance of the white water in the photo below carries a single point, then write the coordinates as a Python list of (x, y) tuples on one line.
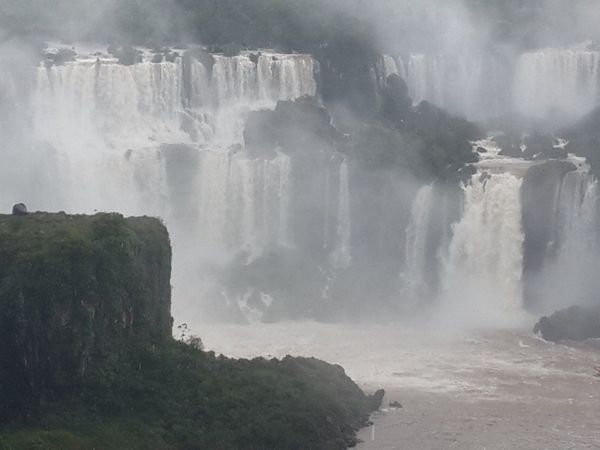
[(341, 256), (415, 263), (557, 80), (562, 81), (485, 259), (135, 139), (570, 277), (92, 110), (243, 202)]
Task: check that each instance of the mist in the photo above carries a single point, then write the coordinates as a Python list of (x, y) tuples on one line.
[(336, 208)]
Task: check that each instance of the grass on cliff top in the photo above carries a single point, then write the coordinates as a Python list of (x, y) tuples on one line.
[(38, 228)]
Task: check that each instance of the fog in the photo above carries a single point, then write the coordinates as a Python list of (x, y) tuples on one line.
[(285, 215)]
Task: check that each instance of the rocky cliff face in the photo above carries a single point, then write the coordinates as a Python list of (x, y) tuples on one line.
[(73, 290)]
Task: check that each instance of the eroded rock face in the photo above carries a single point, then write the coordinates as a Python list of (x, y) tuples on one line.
[(72, 290), (572, 324)]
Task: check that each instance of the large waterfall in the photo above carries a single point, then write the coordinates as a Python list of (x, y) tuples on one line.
[(557, 80), (538, 83), (90, 111), (485, 258), (166, 138)]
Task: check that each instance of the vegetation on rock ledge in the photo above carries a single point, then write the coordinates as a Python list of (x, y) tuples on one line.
[(88, 360)]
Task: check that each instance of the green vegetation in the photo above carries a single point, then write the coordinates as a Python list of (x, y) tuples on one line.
[(88, 360), (171, 395)]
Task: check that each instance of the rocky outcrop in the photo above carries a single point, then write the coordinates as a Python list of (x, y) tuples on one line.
[(542, 146), (572, 324), (72, 290), (584, 139)]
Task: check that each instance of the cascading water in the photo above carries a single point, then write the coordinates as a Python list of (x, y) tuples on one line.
[(424, 80), (166, 139), (453, 83), (341, 256), (243, 202), (557, 80), (485, 258), (570, 276), (541, 82), (415, 264), (578, 212), (93, 109)]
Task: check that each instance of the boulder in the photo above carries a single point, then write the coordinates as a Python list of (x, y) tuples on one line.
[(576, 323), (376, 399), (59, 56), (127, 55), (172, 57), (19, 209)]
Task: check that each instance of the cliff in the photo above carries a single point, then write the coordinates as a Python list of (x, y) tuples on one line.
[(72, 289), (88, 360)]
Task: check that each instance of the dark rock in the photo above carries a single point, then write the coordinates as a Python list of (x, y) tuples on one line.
[(158, 58), (540, 146), (376, 399), (230, 49), (396, 104), (481, 150), (60, 56), (573, 324), (19, 209), (127, 55), (288, 276), (553, 153), (395, 404), (172, 57), (510, 145), (254, 57), (584, 139), (201, 55)]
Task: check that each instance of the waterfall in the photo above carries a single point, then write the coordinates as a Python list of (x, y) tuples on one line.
[(417, 232), (453, 83), (557, 80), (424, 79), (578, 212), (103, 123), (243, 202), (387, 66), (92, 102), (571, 277), (485, 258), (342, 256), (484, 84)]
